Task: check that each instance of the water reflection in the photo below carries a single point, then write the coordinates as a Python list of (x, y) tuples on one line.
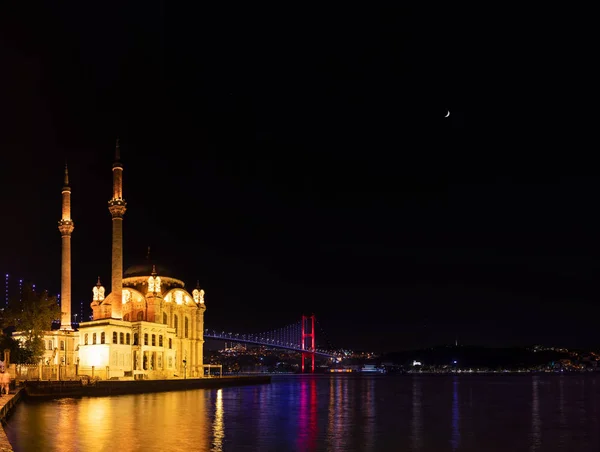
[(262, 420), (582, 407), (313, 414), (455, 441), (416, 422), (328, 413), (307, 421), (536, 423), (66, 420), (97, 413), (331, 414), (594, 420), (370, 424), (185, 420), (218, 424), (337, 435), (561, 404), (148, 422)]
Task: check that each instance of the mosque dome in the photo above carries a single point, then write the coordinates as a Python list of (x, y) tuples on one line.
[(145, 269)]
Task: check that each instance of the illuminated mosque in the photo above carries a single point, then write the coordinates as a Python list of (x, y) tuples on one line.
[(148, 327)]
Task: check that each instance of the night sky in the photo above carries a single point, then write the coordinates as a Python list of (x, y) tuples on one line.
[(292, 161)]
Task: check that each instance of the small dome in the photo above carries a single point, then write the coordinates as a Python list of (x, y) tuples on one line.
[(145, 269)]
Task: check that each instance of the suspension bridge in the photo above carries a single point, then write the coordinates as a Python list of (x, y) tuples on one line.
[(299, 336)]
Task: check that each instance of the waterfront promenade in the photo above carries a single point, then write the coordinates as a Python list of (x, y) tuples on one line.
[(7, 403), (76, 388)]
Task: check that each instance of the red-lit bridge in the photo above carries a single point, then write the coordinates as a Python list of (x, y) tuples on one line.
[(299, 336)]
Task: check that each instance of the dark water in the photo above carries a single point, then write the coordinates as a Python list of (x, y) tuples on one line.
[(322, 413)]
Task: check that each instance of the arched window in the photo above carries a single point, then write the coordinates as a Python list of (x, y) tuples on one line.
[(154, 340), (160, 343), (122, 338), (126, 317), (175, 321), (165, 318), (62, 345), (135, 339), (128, 338), (85, 339), (94, 339), (102, 337), (145, 338), (49, 345), (114, 337), (140, 315), (186, 328)]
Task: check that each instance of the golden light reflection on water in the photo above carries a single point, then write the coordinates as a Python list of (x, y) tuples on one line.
[(338, 415), (95, 417), (119, 423), (218, 424), (66, 420)]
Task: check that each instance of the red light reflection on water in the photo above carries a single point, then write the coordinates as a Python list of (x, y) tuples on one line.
[(307, 419)]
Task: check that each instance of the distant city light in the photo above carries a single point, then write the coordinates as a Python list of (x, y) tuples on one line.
[(417, 363)]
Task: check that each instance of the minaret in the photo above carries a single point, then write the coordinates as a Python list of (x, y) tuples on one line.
[(117, 207), (66, 226)]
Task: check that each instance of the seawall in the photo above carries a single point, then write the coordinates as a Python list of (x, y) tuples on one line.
[(7, 403), (58, 389)]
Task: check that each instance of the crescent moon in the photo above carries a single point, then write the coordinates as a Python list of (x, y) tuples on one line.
[(447, 114)]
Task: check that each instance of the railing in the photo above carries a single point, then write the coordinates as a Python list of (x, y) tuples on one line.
[(207, 370), (56, 372), (44, 372)]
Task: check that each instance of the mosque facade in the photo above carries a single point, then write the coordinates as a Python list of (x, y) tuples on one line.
[(148, 327)]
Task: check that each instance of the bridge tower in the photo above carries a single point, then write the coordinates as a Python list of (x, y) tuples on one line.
[(308, 332)]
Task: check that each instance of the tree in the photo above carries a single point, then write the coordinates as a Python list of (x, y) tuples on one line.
[(31, 316), (18, 354)]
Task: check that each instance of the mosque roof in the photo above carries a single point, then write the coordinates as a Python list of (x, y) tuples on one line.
[(145, 269)]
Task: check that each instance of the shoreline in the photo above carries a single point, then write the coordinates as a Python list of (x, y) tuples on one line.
[(7, 404), (56, 389), (493, 374)]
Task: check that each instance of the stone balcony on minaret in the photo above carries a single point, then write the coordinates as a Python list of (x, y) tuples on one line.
[(66, 227), (117, 207)]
